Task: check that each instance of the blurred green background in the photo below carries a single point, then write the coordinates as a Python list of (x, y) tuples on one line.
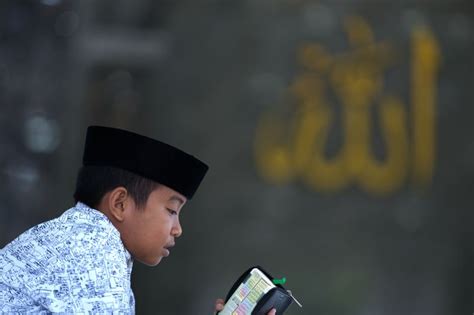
[(339, 135)]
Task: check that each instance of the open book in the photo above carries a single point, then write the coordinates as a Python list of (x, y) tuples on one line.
[(256, 293)]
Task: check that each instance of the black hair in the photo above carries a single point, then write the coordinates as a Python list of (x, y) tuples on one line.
[(93, 182)]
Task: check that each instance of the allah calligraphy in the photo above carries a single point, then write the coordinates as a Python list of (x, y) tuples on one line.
[(294, 145)]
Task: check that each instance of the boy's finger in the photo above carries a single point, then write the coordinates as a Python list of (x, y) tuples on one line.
[(272, 312), (219, 305)]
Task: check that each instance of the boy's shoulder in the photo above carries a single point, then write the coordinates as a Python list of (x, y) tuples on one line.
[(74, 255), (80, 235), (78, 228)]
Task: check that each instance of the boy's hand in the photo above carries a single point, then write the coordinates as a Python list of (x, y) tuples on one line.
[(220, 306)]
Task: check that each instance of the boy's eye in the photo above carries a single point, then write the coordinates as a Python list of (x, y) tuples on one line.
[(171, 211)]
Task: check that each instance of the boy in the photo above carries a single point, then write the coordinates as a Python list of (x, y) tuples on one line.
[(129, 195)]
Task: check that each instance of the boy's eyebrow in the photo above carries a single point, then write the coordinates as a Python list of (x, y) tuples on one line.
[(176, 198)]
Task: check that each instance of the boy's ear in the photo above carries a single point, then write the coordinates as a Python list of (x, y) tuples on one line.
[(117, 201)]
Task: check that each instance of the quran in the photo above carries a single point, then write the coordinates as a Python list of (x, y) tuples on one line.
[(256, 293)]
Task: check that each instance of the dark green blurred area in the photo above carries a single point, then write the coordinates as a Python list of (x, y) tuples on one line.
[(201, 75)]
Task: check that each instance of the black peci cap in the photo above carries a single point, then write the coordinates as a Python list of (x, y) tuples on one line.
[(144, 156)]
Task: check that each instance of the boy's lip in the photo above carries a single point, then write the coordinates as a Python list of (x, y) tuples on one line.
[(166, 249), (169, 245)]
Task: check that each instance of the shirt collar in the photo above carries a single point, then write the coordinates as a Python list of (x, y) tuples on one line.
[(84, 212)]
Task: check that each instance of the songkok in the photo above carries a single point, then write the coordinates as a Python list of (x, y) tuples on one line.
[(144, 156)]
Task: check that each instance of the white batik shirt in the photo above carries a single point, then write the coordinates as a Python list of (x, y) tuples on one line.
[(75, 263)]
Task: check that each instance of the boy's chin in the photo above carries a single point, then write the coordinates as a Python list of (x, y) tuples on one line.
[(151, 262)]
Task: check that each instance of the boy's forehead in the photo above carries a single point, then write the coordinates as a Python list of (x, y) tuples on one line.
[(177, 199), (171, 195)]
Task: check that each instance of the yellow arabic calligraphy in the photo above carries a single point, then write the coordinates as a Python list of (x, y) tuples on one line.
[(356, 82)]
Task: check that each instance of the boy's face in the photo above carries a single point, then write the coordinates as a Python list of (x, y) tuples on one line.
[(149, 233)]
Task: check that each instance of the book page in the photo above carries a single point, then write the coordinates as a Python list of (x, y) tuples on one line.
[(247, 295)]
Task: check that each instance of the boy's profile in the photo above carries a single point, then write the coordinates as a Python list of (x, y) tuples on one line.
[(129, 194)]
